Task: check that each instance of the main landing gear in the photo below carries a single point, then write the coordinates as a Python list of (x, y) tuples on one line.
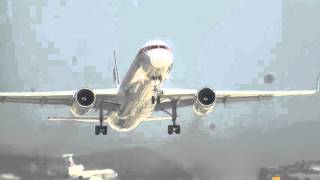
[(174, 128), (101, 128), (157, 79)]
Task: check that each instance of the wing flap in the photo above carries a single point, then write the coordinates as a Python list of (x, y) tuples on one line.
[(178, 93)]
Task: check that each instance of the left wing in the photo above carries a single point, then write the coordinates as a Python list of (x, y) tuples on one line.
[(186, 97), (56, 97)]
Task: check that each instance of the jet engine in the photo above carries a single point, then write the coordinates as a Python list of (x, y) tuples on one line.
[(205, 101), (84, 101)]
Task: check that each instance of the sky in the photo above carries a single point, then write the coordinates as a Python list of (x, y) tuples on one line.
[(199, 33)]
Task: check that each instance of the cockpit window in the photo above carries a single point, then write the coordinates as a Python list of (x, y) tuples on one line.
[(153, 47)]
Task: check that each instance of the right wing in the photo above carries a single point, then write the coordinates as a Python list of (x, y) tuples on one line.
[(251, 95), (187, 97)]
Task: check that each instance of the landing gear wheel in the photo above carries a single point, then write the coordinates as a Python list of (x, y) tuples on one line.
[(153, 99), (177, 129), (104, 130), (173, 129), (100, 129), (97, 130), (170, 129), (157, 78)]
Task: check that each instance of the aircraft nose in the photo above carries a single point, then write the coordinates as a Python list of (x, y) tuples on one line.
[(160, 58)]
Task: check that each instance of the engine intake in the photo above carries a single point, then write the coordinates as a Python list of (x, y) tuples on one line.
[(205, 101), (84, 102)]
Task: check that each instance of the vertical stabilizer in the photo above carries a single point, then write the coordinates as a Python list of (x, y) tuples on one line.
[(74, 170), (69, 159), (115, 70)]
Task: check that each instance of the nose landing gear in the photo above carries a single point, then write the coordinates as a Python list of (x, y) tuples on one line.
[(157, 79)]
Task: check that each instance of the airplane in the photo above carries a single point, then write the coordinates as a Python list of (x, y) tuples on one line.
[(140, 93), (77, 171)]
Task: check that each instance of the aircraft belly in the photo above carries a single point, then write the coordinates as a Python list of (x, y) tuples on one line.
[(137, 93)]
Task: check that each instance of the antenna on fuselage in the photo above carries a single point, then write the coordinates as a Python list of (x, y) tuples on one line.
[(115, 70)]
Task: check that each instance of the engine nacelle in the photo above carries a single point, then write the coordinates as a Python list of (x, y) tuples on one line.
[(205, 101), (84, 101)]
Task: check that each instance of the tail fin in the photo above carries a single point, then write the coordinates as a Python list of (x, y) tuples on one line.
[(115, 70), (69, 159)]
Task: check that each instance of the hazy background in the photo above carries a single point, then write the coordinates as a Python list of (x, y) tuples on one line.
[(232, 44)]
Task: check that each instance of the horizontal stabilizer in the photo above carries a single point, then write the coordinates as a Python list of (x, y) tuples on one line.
[(157, 118), (87, 119), (115, 70), (94, 119), (67, 155)]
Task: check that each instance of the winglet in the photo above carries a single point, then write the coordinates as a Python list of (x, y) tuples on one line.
[(115, 70)]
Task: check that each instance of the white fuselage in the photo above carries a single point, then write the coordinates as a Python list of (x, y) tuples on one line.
[(77, 171), (138, 87)]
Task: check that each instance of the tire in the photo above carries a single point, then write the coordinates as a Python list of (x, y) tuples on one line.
[(97, 130), (158, 99), (153, 99), (105, 130), (177, 129), (170, 129)]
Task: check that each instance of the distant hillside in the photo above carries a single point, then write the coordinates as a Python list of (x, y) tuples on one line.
[(137, 163), (31, 167)]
